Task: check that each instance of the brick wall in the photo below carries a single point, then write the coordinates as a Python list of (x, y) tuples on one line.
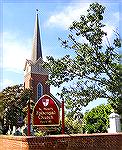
[(63, 142), (36, 79), (13, 143)]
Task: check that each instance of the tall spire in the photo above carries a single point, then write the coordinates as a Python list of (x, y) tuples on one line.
[(36, 47)]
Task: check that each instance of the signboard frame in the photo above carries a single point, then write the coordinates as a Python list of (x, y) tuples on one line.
[(46, 125)]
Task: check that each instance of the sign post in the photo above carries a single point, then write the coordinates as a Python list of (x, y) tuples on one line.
[(29, 117), (63, 126)]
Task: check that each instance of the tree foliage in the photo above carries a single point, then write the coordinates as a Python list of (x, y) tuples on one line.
[(97, 120), (1, 106), (72, 126), (94, 71), (73, 123), (13, 105)]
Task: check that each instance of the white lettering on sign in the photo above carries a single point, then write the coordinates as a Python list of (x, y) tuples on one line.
[(42, 115)]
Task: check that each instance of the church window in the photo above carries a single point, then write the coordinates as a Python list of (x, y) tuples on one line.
[(39, 90)]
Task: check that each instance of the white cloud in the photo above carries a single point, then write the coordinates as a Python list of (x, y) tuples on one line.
[(65, 18), (15, 52), (72, 12), (110, 32), (5, 83), (109, 29)]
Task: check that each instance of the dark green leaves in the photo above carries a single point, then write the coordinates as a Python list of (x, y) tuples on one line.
[(13, 101), (117, 42)]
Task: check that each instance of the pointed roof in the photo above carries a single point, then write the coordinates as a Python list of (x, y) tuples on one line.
[(36, 47)]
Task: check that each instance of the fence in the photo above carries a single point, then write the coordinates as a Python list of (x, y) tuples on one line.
[(103, 141)]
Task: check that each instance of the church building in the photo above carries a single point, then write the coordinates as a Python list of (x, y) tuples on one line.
[(35, 76)]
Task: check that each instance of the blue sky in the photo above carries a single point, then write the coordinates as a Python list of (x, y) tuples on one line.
[(17, 28)]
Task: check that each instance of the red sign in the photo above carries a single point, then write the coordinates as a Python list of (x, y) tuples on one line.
[(46, 112)]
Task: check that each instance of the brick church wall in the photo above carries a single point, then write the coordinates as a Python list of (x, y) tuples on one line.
[(42, 79), (63, 142), (37, 78)]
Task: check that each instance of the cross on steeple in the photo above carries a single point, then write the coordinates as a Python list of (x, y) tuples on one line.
[(36, 47)]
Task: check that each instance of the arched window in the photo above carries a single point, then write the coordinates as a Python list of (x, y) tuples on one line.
[(39, 90)]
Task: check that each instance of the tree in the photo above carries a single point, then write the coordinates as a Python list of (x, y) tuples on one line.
[(117, 103), (97, 120), (1, 107), (8, 103), (13, 104), (1, 112), (94, 68), (73, 123)]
